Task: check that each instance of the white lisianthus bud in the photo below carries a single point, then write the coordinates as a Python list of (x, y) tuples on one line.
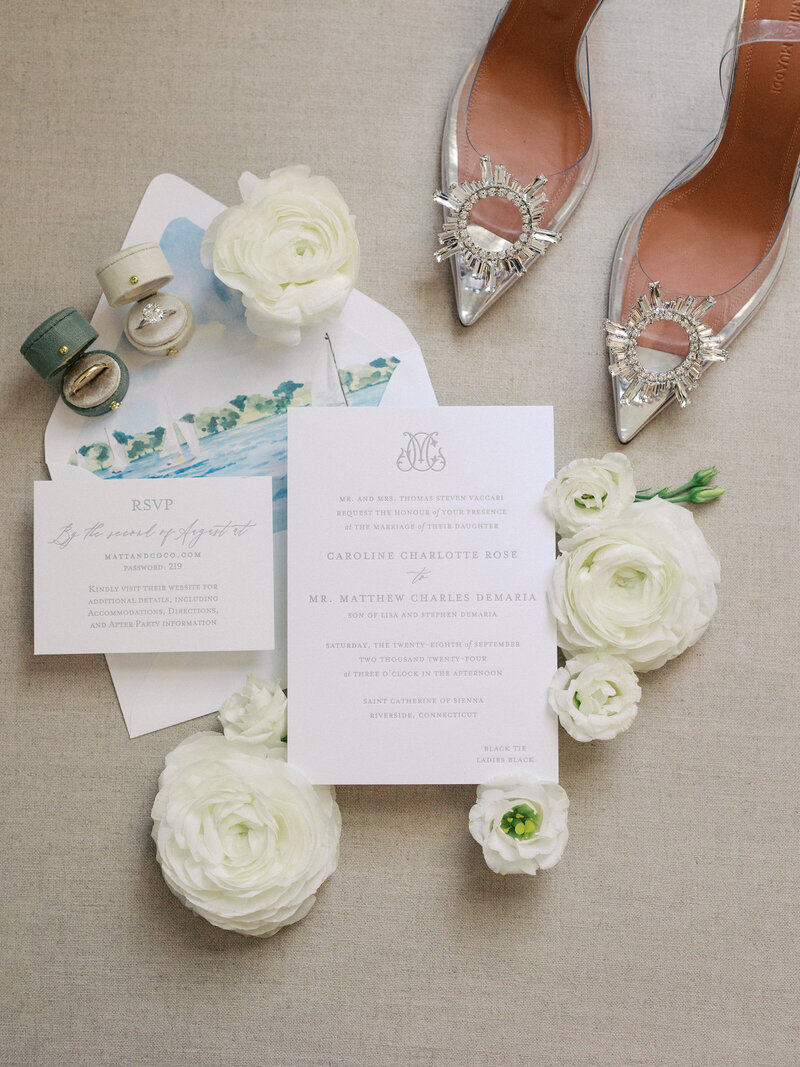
[(595, 696), (257, 713), (588, 491), (521, 823)]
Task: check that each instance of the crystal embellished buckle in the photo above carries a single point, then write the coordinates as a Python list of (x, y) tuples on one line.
[(153, 313), (455, 237), (645, 386)]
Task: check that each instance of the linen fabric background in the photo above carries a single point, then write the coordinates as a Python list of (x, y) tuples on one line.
[(668, 933)]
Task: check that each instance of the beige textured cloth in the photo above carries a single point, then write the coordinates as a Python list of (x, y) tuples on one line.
[(668, 934)]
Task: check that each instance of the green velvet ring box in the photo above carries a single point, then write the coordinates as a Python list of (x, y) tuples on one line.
[(93, 382), (158, 324)]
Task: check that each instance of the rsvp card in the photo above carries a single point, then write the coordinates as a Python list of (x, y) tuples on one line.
[(153, 565), (419, 554)]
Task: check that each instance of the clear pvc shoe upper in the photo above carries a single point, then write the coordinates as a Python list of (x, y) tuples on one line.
[(728, 246), (495, 223)]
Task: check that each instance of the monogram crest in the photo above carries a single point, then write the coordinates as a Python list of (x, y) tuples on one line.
[(421, 452)]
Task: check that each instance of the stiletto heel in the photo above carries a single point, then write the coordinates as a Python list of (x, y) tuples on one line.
[(519, 119), (717, 231)]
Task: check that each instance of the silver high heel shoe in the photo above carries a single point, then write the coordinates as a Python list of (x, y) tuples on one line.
[(519, 120), (693, 266)]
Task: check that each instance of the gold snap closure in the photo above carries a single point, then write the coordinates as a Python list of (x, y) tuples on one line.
[(172, 351), (63, 350), (114, 405), (134, 279)]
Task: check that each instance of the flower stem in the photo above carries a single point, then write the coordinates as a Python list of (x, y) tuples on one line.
[(697, 490)]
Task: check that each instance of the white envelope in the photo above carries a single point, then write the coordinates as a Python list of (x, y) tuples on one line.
[(223, 362)]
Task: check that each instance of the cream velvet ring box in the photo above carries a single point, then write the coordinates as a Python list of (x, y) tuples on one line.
[(159, 324), (93, 382)]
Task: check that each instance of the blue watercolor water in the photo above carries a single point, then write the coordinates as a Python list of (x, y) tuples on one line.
[(369, 396), (257, 449), (246, 451)]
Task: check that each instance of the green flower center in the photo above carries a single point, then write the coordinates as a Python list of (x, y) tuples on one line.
[(627, 577), (588, 500), (522, 822)]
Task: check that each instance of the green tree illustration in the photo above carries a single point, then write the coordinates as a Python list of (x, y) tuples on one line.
[(228, 417), (287, 389), (138, 449)]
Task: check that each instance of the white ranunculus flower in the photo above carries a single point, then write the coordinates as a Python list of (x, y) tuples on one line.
[(257, 714), (243, 840), (588, 490), (642, 587), (290, 248), (521, 823), (595, 696)]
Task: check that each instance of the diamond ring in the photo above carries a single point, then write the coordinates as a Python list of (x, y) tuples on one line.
[(153, 314)]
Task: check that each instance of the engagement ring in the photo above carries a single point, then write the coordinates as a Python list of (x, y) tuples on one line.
[(153, 314)]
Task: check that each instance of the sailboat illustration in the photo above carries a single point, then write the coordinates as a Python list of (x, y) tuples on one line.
[(190, 437), (171, 451), (119, 456), (331, 391), (170, 448)]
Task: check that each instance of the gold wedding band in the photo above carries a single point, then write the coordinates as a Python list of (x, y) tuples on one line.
[(87, 376)]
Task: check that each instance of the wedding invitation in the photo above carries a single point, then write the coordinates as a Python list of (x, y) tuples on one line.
[(153, 565), (420, 645)]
